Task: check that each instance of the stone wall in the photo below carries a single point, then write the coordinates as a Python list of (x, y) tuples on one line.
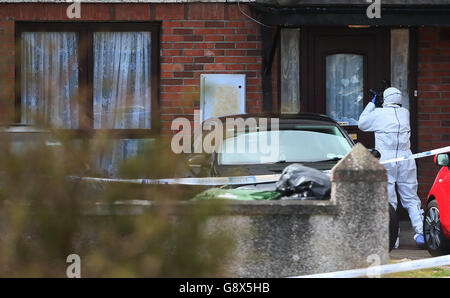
[(291, 237), (307, 237)]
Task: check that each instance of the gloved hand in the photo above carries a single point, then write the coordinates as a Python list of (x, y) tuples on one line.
[(374, 98), (377, 101)]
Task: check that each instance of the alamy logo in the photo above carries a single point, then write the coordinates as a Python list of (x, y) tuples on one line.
[(74, 269), (249, 135), (374, 9), (74, 9), (374, 269)]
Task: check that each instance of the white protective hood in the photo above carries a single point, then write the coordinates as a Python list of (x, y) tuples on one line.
[(392, 96)]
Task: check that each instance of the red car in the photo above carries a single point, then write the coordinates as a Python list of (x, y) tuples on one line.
[(436, 224)]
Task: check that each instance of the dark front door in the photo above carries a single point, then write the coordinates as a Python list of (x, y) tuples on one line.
[(339, 66)]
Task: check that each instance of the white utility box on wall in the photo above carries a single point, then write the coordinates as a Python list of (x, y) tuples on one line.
[(222, 95)]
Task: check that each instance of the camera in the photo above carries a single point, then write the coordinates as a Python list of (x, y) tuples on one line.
[(379, 93)]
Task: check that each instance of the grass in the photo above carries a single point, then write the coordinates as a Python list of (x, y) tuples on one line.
[(438, 272)]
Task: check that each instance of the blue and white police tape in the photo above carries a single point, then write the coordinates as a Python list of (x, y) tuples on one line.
[(237, 180), (208, 181), (418, 155), (374, 271)]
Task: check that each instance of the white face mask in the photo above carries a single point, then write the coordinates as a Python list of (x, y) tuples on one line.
[(391, 105), (393, 99)]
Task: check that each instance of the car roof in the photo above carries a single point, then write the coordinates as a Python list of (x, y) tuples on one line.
[(312, 118)]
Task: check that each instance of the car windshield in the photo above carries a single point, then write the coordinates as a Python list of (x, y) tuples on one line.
[(300, 144)]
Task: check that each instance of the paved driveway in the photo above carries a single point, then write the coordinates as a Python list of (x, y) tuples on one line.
[(408, 248)]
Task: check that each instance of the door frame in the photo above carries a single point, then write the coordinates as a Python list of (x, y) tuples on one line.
[(412, 77), (313, 85), (307, 47), (412, 84)]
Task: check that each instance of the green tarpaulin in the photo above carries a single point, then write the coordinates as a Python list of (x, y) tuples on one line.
[(237, 194)]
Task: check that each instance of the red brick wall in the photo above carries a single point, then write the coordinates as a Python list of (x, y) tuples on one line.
[(196, 38), (216, 38), (433, 100)]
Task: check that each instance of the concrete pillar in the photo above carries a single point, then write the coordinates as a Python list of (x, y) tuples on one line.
[(359, 188)]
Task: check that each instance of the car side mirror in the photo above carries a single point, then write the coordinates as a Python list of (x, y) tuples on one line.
[(442, 159), (375, 153)]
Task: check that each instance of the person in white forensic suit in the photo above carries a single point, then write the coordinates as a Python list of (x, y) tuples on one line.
[(392, 139)]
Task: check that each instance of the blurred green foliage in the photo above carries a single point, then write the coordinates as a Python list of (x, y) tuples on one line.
[(45, 216)]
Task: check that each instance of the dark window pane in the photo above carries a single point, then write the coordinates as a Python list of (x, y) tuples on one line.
[(118, 151)]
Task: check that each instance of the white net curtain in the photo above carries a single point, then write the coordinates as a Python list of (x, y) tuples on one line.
[(122, 80), (122, 92), (345, 83), (49, 78)]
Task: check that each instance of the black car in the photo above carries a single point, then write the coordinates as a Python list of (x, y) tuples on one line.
[(313, 140)]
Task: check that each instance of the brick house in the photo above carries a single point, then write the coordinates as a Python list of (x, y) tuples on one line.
[(296, 56)]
